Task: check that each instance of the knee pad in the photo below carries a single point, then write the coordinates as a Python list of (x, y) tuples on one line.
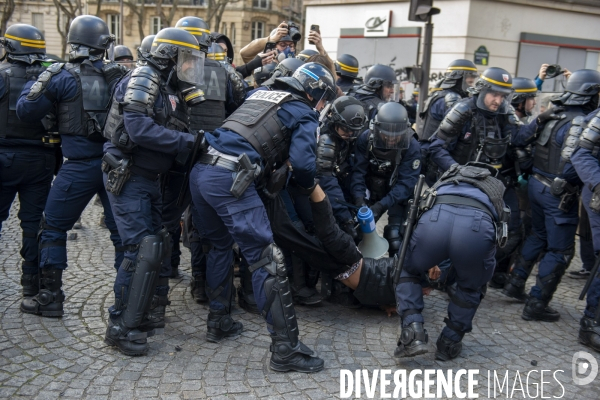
[(391, 233)]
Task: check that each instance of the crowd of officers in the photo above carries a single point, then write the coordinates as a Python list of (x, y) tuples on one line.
[(270, 178)]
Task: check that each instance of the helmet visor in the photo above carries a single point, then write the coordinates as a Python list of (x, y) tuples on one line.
[(390, 91), (190, 66), (469, 78), (388, 135), (494, 99)]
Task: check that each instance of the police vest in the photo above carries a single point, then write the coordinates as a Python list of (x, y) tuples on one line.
[(480, 128), (547, 153), (11, 127), (332, 155), (257, 122), (426, 124), (173, 114), (85, 114), (382, 171), (370, 103), (210, 114)]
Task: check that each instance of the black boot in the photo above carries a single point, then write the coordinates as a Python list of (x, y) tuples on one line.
[(498, 281), (302, 294), (413, 341), (299, 358), (589, 331), (221, 326), (245, 293), (154, 319), (30, 284), (131, 342), (49, 301), (198, 288), (447, 349), (175, 274), (515, 287), (538, 310)]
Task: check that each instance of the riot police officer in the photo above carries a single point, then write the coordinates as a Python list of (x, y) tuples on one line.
[(263, 73), (305, 54), (123, 56), (233, 211), (148, 131), (584, 139), (387, 163), (380, 87), (346, 68), (343, 124), (460, 75), (553, 194), (27, 152), (80, 90), (459, 213)]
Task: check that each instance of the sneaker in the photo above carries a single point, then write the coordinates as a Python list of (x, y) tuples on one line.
[(581, 274)]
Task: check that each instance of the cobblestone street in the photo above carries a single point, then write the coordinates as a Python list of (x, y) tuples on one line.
[(66, 358)]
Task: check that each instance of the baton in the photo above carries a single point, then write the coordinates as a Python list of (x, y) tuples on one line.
[(347, 204), (413, 211), (593, 274)]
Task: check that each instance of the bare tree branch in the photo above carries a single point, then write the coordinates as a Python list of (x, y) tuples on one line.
[(215, 11), (140, 11), (7, 12)]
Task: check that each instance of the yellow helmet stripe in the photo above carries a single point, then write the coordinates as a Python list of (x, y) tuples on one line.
[(174, 42), (33, 41), (461, 68), (193, 95), (496, 82), (192, 29), (526, 90), (347, 68), (217, 56)]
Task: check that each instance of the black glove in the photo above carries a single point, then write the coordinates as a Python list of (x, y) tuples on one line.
[(549, 115), (360, 202), (350, 229), (378, 210), (113, 72)]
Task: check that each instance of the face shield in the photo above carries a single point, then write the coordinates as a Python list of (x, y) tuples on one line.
[(190, 66), (390, 92), (469, 78), (494, 99), (391, 136)]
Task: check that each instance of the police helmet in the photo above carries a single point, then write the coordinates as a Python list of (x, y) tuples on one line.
[(380, 74), (346, 65), (223, 39), (90, 31), (122, 53), (348, 113), (146, 46), (495, 81), (261, 74), (169, 41), (524, 88), (306, 54), (415, 91), (582, 88), (317, 81), (391, 128), (216, 52), (287, 67), (23, 39), (197, 27), (458, 74)]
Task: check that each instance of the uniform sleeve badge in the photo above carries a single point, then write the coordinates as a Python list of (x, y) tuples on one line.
[(416, 164), (174, 101)]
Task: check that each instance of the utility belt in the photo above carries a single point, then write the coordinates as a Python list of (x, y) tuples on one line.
[(51, 140), (245, 171), (429, 200), (559, 187)]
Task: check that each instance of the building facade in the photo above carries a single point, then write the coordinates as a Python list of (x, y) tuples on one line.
[(241, 21), (518, 35)]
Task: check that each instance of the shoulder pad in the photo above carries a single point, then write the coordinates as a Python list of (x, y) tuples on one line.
[(326, 139), (451, 98), (454, 121), (512, 117), (579, 120), (142, 90), (572, 139), (590, 138), (39, 87), (271, 96)]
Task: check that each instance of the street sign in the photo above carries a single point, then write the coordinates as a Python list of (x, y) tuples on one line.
[(482, 56)]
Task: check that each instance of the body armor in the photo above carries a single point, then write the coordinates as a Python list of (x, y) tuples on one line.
[(257, 122), (15, 76), (85, 114), (370, 103), (382, 170), (590, 138), (332, 156), (142, 91), (210, 114), (572, 140), (426, 125), (547, 155)]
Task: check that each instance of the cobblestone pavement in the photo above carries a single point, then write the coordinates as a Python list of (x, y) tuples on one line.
[(66, 358)]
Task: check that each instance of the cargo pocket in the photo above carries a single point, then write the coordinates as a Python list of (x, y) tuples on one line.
[(60, 189)]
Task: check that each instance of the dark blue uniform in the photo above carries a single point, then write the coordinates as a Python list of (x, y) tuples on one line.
[(467, 237), (138, 208), (79, 179), (227, 220), (26, 168)]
